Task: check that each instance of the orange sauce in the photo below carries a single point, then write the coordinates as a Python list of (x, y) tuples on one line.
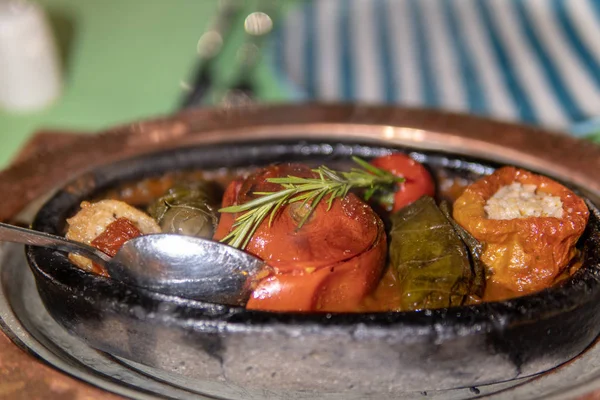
[(385, 297)]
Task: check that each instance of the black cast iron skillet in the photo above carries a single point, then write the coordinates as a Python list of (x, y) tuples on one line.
[(295, 354)]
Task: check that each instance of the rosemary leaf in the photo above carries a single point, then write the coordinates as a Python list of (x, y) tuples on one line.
[(267, 199), (329, 184), (313, 205)]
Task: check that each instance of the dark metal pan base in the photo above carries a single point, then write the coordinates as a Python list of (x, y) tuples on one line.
[(380, 354)]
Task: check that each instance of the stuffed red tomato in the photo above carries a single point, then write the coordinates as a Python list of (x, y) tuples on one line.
[(329, 264)]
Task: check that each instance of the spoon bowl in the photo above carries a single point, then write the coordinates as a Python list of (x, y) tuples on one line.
[(189, 267), (176, 265)]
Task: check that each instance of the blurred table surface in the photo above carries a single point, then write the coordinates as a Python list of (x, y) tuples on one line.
[(123, 60)]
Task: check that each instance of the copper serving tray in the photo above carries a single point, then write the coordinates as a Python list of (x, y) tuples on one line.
[(52, 158)]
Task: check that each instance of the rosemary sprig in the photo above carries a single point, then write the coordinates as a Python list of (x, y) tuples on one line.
[(311, 191)]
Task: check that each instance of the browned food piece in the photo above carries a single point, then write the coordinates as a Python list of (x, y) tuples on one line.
[(522, 255), (93, 219), (329, 264), (115, 235)]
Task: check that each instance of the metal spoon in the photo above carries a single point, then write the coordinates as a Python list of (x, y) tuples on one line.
[(177, 265)]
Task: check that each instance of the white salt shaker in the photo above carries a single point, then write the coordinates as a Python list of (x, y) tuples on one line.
[(30, 76)]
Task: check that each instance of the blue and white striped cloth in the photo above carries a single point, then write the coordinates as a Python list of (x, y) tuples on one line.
[(535, 61)]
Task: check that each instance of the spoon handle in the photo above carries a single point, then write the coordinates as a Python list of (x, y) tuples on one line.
[(16, 234)]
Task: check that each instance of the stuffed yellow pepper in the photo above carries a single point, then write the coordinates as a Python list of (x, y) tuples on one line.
[(528, 225)]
